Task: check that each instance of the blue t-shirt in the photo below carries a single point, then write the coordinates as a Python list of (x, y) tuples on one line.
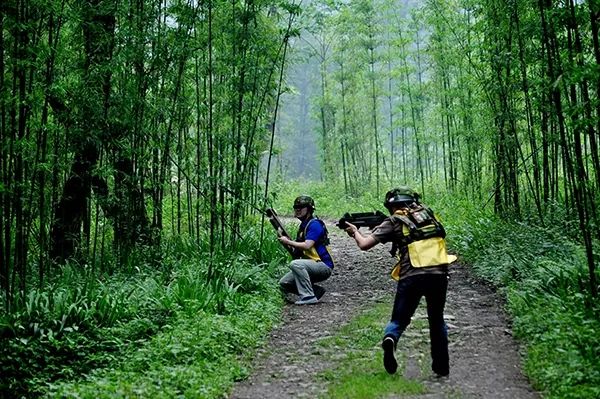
[(316, 233)]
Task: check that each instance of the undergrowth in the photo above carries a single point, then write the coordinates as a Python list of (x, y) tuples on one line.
[(179, 328), (197, 355), (543, 273)]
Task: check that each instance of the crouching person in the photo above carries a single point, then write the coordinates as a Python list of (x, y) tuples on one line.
[(313, 262)]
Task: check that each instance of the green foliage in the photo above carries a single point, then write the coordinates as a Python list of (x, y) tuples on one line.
[(544, 276), (562, 337), (330, 199), (359, 373), (198, 354), (81, 323), (29, 364), (255, 250)]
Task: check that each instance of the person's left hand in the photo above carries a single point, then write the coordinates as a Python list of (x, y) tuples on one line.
[(351, 229), (284, 240)]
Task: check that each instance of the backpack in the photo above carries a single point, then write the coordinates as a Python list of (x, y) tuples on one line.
[(423, 235), (421, 223)]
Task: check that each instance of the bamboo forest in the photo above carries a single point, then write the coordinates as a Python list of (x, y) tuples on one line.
[(143, 141)]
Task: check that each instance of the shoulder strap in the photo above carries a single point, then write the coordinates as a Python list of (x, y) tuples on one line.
[(408, 222), (325, 239), (419, 231)]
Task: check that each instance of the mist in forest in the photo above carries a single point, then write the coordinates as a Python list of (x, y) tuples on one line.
[(297, 130), (295, 134)]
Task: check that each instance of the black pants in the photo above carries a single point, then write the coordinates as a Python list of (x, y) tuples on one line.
[(408, 294)]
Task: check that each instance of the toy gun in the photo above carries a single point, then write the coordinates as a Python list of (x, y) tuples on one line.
[(280, 230), (362, 219)]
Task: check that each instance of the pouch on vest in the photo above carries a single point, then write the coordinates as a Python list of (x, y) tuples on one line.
[(396, 270)]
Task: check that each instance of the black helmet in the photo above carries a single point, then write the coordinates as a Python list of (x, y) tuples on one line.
[(400, 196), (304, 201)]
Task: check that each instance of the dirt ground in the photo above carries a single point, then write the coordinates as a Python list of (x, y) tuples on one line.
[(484, 358)]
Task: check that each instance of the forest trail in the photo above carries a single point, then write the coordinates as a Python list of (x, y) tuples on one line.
[(484, 358)]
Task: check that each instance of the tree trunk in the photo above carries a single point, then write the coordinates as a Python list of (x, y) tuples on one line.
[(98, 26)]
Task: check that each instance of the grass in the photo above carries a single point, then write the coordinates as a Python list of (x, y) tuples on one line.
[(165, 331), (543, 274), (358, 371), (196, 356)]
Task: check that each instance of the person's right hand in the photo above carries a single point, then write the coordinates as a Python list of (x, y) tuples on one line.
[(284, 240)]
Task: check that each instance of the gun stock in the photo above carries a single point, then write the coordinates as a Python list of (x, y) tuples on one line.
[(362, 219)]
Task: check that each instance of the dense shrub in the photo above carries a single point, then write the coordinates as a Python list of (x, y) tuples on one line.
[(141, 321), (544, 275)]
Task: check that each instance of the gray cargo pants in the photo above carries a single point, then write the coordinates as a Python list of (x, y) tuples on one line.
[(303, 273)]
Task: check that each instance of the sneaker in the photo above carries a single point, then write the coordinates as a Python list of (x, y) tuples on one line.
[(442, 375), (319, 291), (440, 372), (389, 360), (307, 300)]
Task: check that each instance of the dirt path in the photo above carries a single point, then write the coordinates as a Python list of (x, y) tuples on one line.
[(484, 359)]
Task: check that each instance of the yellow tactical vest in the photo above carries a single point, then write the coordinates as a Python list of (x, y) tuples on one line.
[(311, 253), (426, 243)]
